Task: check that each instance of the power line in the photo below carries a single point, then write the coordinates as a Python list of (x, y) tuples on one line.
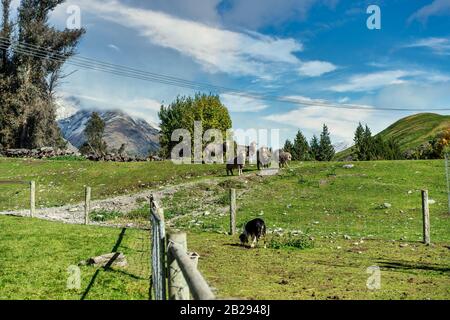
[(118, 70), (111, 65)]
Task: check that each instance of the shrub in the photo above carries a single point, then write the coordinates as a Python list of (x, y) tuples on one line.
[(104, 215), (235, 184), (142, 213), (224, 199), (292, 241), (68, 158)]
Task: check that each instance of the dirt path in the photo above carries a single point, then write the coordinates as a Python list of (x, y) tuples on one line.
[(74, 214)]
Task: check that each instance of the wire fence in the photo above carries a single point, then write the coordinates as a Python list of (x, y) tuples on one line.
[(17, 194), (158, 278)]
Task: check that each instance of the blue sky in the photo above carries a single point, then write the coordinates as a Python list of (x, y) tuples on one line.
[(319, 50)]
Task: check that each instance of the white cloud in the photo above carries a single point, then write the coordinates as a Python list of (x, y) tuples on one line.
[(236, 103), (440, 46), (436, 8), (215, 49), (114, 47), (344, 100), (316, 68), (143, 108), (66, 106), (372, 81), (146, 109), (341, 122), (413, 96), (378, 80)]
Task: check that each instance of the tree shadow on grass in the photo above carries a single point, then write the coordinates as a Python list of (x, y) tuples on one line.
[(404, 266), (107, 267)]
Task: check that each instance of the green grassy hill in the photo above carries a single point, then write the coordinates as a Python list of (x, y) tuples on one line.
[(411, 131)]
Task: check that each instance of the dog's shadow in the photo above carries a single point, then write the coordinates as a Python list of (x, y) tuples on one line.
[(238, 245)]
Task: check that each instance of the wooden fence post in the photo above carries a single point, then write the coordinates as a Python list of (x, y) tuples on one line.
[(198, 287), (158, 258), (232, 212), (178, 288), (426, 217), (32, 198), (87, 205)]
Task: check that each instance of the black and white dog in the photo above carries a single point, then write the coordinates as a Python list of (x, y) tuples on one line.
[(255, 229)]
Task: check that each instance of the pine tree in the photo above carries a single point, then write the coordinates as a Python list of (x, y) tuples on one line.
[(93, 133), (288, 147), (326, 149), (359, 137), (315, 148), (301, 150), (368, 145)]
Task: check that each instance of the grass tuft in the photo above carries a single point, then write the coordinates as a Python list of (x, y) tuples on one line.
[(291, 241)]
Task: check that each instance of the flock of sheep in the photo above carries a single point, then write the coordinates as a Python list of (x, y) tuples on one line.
[(265, 157)]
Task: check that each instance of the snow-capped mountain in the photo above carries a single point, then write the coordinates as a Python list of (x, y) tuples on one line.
[(66, 107), (138, 135)]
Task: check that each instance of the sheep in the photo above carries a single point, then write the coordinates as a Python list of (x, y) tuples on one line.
[(238, 163), (263, 157), (284, 158), (252, 150), (214, 153)]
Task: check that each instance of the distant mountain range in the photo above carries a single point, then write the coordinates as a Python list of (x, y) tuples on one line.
[(138, 135), (410, 132)]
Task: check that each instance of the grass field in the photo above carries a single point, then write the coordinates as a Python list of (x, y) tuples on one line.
[(62, 182), (322, 200), (36, 255)]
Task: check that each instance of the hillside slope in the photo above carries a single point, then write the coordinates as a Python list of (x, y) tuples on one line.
[(138, 135), (410, 132)]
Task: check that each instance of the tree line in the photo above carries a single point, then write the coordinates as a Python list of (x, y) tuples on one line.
[(318, 149), (368, 147)]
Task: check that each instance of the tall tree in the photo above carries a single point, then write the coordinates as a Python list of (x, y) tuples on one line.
[(326, 149), (6, 35), (27, 96), (289, 147), (368, 145), (6, 125), (359, 140), (301, 150), (315, 148), (184, 111), (95, 129)]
